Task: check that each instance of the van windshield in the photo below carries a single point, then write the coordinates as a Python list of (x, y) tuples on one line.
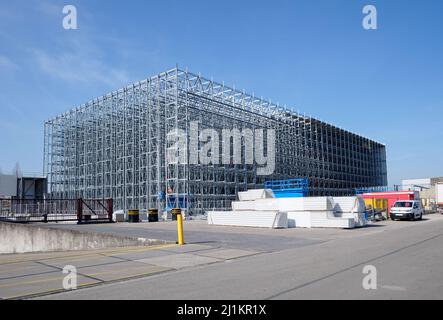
[(403, 205)]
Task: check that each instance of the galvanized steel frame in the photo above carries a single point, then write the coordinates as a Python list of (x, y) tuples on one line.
[(116, 146)]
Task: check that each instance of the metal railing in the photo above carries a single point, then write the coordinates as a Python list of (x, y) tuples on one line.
[(54, 210)]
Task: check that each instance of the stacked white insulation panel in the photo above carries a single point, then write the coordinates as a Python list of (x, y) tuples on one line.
[(351, 207), (313, 212), (305, 204), (259, 208), (258, 219), (255, 194), (256, 208)]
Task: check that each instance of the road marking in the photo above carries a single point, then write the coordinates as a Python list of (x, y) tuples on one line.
[(394, 288), (49, 291), (78, 258), (88, 284), (55, 255), (104, 253), (159, 247), (128, 269), (28, 266), (69, 254), (30, 282)]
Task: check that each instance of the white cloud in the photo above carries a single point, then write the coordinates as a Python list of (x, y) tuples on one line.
[(5, 62), (77, 56), (75, 67)]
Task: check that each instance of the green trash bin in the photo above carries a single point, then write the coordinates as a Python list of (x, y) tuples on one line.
[(174, 213), (133, 216), (153, 215)]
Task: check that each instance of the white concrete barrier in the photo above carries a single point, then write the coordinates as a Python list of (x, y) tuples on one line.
[(255, 194), (21, 238), (259, 219), (243, 205), (318, 219), (348, 204), (305, 204)]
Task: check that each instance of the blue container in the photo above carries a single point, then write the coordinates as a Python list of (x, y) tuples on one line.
[(291, 188)]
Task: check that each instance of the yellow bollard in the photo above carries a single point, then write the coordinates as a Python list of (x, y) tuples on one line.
[(178, 213)]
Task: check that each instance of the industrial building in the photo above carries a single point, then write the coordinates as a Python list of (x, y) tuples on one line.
[(427, 188), (123, 145), (420, 184), (28, 186)]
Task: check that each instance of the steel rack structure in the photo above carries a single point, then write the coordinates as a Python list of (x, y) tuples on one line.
[(121, 146)]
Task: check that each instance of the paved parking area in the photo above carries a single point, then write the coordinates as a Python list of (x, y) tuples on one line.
[(407, 256), (35, 274), (243, 238), (28, 275), (263, 263)]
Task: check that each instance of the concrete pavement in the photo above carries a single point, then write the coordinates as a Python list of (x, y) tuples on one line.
[(407, 256), (38, 274), (241, 263)]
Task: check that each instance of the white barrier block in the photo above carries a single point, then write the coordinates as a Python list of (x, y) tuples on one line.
[(243, 205), (259, 219), (328, 220), (255, 194), (318, 219), (266, 205), (305, 204), (299, 219), (349, 204), (118, 216), (290, 204)]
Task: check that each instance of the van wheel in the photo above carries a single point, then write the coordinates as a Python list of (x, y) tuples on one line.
[(421, 216)]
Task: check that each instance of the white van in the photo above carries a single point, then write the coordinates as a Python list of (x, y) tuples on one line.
[(407, 209)]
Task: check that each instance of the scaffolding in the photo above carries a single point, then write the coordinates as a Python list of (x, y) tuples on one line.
[(123, 146)]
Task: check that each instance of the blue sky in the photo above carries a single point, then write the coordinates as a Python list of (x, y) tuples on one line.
[(314, 56)]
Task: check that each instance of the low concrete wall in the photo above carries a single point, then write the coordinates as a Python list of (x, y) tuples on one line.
[(21, 238)]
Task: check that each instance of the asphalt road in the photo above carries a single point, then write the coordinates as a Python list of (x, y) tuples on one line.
[(408, 258)]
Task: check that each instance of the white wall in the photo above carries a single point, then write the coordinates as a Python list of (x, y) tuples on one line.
[(21, 238), (8, 185), (439, 193), (407, 184)]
